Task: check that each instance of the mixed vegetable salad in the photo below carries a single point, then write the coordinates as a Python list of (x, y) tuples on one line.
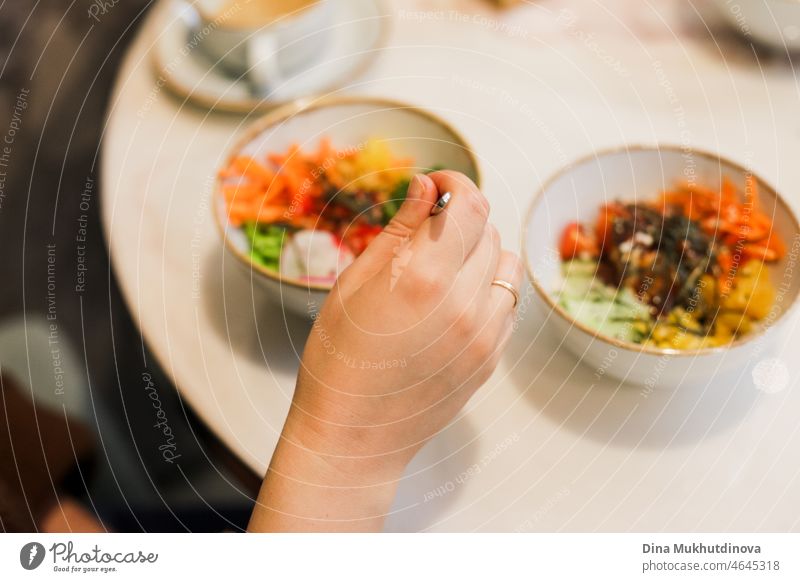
[(307, 215), (685, 271)]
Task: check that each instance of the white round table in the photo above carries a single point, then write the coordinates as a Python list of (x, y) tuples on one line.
[(531, 89)]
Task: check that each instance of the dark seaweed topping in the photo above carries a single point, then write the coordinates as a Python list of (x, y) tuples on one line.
[(660, 257)]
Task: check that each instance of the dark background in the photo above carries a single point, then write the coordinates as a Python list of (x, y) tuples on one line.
[(68, 63)]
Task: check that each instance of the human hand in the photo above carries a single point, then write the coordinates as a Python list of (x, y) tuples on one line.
[(406, 336)]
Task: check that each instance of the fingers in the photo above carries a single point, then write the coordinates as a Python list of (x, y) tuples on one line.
[(454, 233), (487, 348), (421, 196), (509, 270), (481, 265), (416, 207), (501, 306), (441, 244), (469, 294)]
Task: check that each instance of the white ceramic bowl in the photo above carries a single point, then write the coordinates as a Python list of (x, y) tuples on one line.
[(347, 121), (775, 23), (637, 174)]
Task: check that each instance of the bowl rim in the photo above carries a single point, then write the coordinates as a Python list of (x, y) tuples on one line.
[(630, 346), (298, 107)]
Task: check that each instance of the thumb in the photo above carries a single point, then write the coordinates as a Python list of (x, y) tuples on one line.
[(421, 196)]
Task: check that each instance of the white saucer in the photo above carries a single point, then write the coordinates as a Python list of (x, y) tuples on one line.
[(358, 30)]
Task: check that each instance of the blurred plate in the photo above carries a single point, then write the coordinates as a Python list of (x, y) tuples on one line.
[(359, 30)]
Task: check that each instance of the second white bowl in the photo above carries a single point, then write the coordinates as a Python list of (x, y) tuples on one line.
[(638, 174)]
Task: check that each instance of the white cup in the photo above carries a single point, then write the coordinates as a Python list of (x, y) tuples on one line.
[(266, 52)]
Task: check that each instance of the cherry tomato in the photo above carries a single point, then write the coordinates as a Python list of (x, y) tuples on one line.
[(360, 236), (577, 242)]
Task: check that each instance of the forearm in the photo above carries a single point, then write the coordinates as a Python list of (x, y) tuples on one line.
[(391, 360), (307, 490)]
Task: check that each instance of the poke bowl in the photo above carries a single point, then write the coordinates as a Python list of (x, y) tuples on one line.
[(661, 265), (308, 186)]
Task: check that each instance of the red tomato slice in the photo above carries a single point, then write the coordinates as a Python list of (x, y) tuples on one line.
[(361, 235), (575, 241)]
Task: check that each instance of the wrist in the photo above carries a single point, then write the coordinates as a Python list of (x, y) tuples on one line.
[(345, 455), (307, 490)]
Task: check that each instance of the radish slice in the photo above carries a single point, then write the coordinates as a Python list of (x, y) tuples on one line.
[(314, 256)]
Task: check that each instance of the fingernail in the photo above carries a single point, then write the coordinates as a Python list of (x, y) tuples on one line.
[(416, 188)]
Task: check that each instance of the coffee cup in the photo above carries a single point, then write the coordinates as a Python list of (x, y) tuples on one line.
[(264, 42)]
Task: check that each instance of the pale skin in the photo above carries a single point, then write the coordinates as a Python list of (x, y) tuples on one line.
[(421, 294)]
